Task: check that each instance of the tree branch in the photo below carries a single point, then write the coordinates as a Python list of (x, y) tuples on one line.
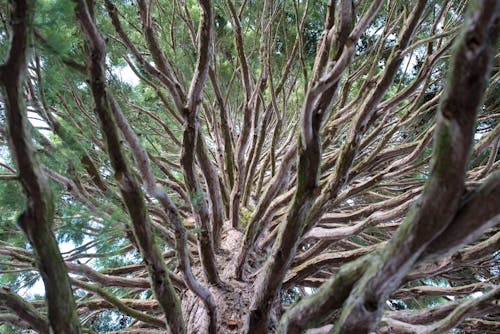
[(24, 310), (37, 219), (440, 199), (129, 187)]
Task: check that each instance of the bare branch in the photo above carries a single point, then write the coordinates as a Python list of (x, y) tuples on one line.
[(37, 219), (439, 202), (24, 310), (129, 187)]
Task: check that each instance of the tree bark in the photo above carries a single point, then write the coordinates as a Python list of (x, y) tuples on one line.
[(37, 219)]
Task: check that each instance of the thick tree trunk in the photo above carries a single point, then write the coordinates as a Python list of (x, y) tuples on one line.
[(232, 300)]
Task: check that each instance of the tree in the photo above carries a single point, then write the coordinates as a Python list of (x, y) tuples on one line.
[(277, 167)]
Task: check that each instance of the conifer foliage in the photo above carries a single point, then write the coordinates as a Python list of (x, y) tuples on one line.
[(222, 166)]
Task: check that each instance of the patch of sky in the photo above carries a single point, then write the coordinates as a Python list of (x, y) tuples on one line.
[(38, 123), (123, 72), (38, 288)]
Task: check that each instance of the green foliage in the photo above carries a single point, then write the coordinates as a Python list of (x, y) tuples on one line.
[(73, 222), (60, 14), (196, 199), (290, 296), (11, 199), (9, 329), (108, 320), (246, 216), (91, 219)]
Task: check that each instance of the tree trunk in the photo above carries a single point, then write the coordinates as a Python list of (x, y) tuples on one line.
[(232, 300)]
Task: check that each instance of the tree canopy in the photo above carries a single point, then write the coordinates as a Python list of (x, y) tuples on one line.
[(221, 166)]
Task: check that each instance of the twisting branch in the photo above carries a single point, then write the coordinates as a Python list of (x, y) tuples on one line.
[(249, 100), (169, 207), (363, 117), (37, 219), (439, 202), (479, 211), (454, 314), (189, 144), (130, 189), (24, 310), (314, 133), (309, 311), (165, 76), (120, 305), (309, 162)]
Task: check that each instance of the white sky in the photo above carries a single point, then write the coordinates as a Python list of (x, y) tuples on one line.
[(125, 74)]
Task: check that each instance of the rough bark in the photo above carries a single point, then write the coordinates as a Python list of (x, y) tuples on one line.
[(439, 202), (270, 279), (130, 189), (323, 182), (37, 219), (24, 310)]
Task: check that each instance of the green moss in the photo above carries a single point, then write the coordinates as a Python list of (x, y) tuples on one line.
[(442, 149), (245, 216)]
